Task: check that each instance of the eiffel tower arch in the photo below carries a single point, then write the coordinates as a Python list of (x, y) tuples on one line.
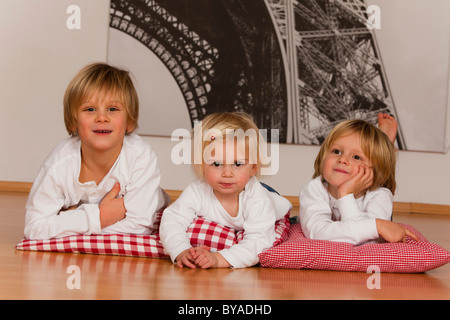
[(225, 55), (335, 68)]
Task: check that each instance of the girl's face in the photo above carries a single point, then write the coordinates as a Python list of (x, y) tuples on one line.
[(226, 168), (102, 123), (342, 161)]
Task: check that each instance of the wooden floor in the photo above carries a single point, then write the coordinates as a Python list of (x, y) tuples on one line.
[(43, 275)]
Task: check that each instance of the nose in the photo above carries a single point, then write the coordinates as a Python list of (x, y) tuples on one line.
[(227, 171), (102, 116), (342, 159)]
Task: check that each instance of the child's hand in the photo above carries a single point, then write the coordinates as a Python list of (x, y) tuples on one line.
[(393, 232), (357, 183), (201, 257), (112, 209), (205, 259), (185, 258)]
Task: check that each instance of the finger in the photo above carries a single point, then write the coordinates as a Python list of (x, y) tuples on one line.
[(205, 248), (187, 263), (411, 235), (368, 177), (200, 260), (114, 191)]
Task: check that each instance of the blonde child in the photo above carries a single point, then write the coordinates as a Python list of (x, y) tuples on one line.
[(228, 192), (350, 198), (103, 178)]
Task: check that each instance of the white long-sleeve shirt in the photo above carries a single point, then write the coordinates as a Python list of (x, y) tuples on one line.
[(346, 219), (57, 187), (258, 211)]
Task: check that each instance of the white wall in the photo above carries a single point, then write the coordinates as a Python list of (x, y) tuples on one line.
[(39, 56), (421, 177)]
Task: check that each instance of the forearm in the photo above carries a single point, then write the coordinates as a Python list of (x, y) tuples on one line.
[(41, 225)]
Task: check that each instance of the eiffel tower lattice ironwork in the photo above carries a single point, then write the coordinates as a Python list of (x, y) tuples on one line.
[(224, 54), (160, 31), (334, 64)]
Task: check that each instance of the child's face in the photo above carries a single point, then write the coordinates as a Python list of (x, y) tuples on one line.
[(342, 161), (227, 173), (102, 122)]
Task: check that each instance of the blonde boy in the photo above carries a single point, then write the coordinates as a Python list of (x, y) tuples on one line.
[(103, 178)]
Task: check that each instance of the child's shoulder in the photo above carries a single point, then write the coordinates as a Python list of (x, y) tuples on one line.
[(135, 146), (315, 188), (196, 191), (379, 193), (316, 184), (134, 141), (255, 190), (66, 150)]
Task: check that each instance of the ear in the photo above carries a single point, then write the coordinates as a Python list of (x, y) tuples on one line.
[(253, 171), (130, 128), (73, 130)]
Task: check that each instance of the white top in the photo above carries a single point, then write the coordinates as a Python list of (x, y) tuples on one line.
[(346, 219), (258, 211), (57, 187)]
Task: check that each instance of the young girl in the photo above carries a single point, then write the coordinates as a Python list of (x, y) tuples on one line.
[(103, 178), (350, 198), (227, 192)]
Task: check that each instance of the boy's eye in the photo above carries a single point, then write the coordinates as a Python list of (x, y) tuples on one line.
[(216, 164), (239, 163)]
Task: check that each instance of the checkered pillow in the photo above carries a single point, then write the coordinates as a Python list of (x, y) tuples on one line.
[(218, 237), (298, 252), (201, 232)]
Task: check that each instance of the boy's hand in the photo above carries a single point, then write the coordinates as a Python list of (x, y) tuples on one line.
[(393, 232), (357, 183), (112, 209)]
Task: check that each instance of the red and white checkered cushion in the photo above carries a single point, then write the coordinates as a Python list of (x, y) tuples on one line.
[(201, 232), (298, 252)]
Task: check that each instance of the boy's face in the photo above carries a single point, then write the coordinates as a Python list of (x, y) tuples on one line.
[(102, 122), (342, 161)]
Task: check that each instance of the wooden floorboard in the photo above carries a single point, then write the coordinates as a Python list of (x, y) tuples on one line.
[(43, 275)]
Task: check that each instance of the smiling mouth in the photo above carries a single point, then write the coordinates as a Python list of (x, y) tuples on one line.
[(102, 131)]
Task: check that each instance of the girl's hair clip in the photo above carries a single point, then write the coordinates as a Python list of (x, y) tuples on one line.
[(213, 138)]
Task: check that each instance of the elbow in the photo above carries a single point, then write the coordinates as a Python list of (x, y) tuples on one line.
[(33, 232)]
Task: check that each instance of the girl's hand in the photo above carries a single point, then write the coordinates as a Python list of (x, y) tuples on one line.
[(393, 232), (357, 183), (204, 258), (185, 258)]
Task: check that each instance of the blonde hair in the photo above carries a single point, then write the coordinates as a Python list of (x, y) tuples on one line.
[(100, 77), (222, 125), (376, 146)]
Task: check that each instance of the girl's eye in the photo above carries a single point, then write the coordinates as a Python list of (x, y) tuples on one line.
[(357, 157), (336, 151), (113, 109), (216, 164), (239, 163), (89, 109)]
